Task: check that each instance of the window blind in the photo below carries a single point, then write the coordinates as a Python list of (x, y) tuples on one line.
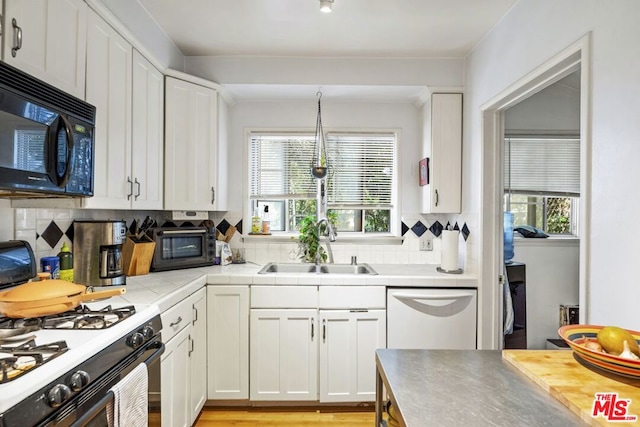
[(280, 166), (361, 168), (362, 175), (544, 166)]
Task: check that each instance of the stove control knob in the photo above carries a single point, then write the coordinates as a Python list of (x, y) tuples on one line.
[(147, 332), (58, 395), (136, 340), (79, 380)]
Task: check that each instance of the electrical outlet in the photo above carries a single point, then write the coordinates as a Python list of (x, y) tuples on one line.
[(426, 243)]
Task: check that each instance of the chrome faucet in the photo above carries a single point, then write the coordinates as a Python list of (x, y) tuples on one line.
[(331, 233), (332, 238)]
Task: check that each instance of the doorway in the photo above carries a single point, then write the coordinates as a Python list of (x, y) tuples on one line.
[(572, 59)]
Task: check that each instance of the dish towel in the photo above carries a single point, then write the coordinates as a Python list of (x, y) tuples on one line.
[(508, 305), (129, 407)]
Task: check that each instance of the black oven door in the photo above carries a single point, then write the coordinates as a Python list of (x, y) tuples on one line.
[(89, 408)]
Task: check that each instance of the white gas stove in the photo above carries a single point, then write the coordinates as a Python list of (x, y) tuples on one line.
[(69, 362)]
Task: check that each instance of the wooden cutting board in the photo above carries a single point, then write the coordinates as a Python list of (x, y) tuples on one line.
[(575, 385)]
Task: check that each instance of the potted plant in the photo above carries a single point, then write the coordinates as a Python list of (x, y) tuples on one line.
[(309, 241)]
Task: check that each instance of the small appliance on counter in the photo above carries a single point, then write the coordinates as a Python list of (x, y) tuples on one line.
[(97, 247), (17, 263), (183, 247)]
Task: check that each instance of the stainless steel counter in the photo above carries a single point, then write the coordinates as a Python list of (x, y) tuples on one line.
[(463, 387)]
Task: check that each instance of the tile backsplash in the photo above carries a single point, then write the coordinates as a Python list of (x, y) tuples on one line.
[(47, 229)]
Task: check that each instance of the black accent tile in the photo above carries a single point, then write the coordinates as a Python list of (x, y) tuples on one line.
[(419, 228), (239, 226), (436, 228), (37, 235), (69, 232), (465, 231), (405, 228), (223, 226), (169, 224), (448, 226), (187, 224), (455, 226), (52, 234)]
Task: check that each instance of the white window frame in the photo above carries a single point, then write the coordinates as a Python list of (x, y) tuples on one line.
[(395, 215)]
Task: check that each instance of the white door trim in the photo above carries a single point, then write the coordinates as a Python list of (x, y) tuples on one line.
[(576, 56)]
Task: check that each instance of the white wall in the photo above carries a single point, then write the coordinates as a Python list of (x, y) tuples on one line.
[(335, 115), (555, 108), (435, 72), (532, 32), (552, 279)]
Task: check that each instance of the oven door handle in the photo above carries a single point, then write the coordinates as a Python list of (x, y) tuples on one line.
[(102, 403)]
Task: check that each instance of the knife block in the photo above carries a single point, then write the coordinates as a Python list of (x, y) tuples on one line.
[(137, 255)]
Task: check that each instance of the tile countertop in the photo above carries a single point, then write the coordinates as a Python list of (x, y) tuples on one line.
[(167, 288)]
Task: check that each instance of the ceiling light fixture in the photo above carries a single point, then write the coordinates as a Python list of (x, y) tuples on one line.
[(326, 5)]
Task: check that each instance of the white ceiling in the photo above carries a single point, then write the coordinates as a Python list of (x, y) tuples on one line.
[(355, 28)]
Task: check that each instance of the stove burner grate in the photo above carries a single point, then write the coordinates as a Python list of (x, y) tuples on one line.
[(16, 361), (82, 317)]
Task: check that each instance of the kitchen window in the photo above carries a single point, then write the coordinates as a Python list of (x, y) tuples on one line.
[(361, 184), (542, 182)]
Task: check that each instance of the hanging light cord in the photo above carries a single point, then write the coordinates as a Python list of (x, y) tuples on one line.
[(319, 134)]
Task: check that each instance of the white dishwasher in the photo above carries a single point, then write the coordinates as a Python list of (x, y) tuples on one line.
[(431, 318)]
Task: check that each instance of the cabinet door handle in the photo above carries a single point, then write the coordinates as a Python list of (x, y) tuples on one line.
[(176, 323), (213, 195), (190, 346), (138, 193), (195, 315), (324, 330), (17, 38), (130, 188), (313, 321), (437, 198)]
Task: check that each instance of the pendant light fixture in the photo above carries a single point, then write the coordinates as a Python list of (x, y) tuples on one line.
[(326, 6), (320, 163)]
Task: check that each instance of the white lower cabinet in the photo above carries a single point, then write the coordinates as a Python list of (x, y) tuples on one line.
[(228, 342), (284, 354), (352, 327), (198, 354), (315, 343), (348, 341), (183, 364), (174, 367)]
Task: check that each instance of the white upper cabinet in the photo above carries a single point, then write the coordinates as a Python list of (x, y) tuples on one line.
[(147, 156), (109, 59), (442, 135), (191, 144), (128, 92), (47, 39)]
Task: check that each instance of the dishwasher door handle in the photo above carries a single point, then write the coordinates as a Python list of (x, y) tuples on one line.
[(431, 296)]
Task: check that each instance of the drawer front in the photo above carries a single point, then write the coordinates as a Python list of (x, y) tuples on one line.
[(352, 297), (176, 318), (284, 297)]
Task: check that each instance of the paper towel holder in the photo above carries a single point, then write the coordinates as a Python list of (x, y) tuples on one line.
[(442, 270)]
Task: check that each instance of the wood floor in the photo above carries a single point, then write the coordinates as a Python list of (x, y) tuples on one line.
[(287, 417)]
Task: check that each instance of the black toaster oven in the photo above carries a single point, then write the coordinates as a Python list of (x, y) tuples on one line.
[(17, 263), (182, 247)]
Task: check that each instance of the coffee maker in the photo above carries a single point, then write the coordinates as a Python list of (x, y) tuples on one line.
[(97, 252)]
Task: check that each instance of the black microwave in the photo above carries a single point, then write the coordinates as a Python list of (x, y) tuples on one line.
[(182, 247), (46, 139)]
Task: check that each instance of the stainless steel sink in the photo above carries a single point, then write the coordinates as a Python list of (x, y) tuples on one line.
[(275, 267)]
